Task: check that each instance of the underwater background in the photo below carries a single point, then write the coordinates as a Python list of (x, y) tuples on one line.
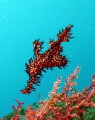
[(21, 22)]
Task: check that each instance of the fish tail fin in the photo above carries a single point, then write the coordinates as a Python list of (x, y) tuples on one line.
[(64, 35)]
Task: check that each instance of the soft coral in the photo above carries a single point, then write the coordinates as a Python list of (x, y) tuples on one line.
[(16, 109)]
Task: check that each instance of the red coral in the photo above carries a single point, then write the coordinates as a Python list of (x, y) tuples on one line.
[(66, 105), (31, 114), (16, 109)]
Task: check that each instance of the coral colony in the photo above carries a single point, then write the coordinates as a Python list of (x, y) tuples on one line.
[(69, 104)]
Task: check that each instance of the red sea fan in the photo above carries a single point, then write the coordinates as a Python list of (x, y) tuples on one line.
[(16, 109), (68, 104)]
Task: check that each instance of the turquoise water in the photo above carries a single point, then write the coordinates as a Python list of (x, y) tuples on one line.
[(21, 22)]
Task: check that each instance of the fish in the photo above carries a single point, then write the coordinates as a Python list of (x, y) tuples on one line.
[(49, 59)]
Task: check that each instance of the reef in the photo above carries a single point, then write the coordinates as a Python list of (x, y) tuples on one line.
[(69, 104)]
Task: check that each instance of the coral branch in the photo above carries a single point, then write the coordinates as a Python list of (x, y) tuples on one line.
[(16, 109), (66, 105)]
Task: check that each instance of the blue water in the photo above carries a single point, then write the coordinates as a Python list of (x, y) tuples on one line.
[(23, 21)]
